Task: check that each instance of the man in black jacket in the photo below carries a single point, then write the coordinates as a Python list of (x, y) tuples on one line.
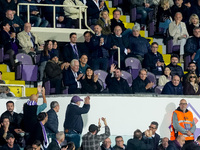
[(177, 144), (117, 84), (153, 61), (55, 144), (142, 84)]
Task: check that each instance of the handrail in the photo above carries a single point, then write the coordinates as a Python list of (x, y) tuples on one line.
[(23, 88), (54, 7)]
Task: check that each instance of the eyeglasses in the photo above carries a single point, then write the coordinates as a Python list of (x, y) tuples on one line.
[(192, 76), (151, 127)]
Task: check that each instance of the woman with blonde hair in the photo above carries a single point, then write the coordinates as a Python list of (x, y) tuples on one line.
[(193, 22), (104, 22), (191, 87)]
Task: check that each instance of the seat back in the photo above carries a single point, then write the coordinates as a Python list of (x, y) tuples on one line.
[(158, 89), (152, 78), (102, 76), (24, 59), (127, 76), (133, 63)]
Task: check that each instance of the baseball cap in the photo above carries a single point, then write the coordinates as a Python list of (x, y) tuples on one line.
[(76, 99)]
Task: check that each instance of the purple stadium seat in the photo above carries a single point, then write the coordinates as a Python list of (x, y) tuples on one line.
[(152, 78), (187, 60), (102, 76), (172, 48), (158, 89), (2, 56), (134, 66), (49, 90), (25, 70), (128, 77)]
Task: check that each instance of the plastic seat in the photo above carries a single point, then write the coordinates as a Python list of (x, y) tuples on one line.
[(102, 76), (127, 76)]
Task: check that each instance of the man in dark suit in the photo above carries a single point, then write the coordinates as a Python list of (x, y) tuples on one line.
[(94, 9), (156, 138), (71, 77), (71, 50), (55, 144), (52, 124), (137, 143)]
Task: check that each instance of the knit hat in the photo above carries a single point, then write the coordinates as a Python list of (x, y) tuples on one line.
[(76, 99), (93, 128)]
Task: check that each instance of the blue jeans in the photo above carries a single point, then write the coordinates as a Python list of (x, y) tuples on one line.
[(165, 25), (143, 11), (38, 22), (73, 136), (100, 63), (127, 32)]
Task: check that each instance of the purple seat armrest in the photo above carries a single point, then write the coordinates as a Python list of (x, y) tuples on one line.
[(1, 54)]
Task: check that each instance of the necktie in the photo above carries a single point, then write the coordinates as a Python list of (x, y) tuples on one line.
[(76, 52)]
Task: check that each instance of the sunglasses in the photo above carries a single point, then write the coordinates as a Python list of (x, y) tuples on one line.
[(192, 76)]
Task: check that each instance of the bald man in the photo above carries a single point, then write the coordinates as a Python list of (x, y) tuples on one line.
[(183, 123), (177, 144), (31, 109)]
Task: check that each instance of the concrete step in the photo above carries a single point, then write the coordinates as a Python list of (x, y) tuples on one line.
[(8, 76), (3, 68)]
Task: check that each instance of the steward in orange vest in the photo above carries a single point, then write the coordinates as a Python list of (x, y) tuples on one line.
[(182, 122)]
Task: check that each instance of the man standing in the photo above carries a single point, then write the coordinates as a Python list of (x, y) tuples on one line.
[(177, 144), (73, 124), (91, 141), (52, 124), (173, 87), (31, 110), (156, 138), (183, 123), (117, 84), (119, 143)]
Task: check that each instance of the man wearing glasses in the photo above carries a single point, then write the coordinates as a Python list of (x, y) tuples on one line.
[(183, 124)]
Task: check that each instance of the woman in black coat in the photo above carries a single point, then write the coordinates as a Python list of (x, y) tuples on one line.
[(90, 82)]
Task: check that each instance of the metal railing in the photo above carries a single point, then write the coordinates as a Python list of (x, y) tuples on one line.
[(54, 12), (22, 86)]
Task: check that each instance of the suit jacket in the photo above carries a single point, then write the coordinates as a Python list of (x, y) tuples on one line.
[(25, 41), (175, 31), (93, 11), (52, 124), (53, 145), (68, 53), (136, 144), (69, 80), (155, 139)]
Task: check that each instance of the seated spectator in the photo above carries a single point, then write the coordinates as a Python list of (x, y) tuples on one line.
[(91, 140), (45, 56), (94, 9), (36, 145), (137, 143), (164, 144), (177, 144), (14, 21), (173, 87), (7, 5), (83, 64), (31, 109), (53, 70), (165, 78), (117, 84), (104, 22), (117, 22), (180, 7), (119, 143), (39, 132), (191, 86), (106, 145), (2, 81), (71, 50), (9, 42), (55, 47), (165, 16), (90, 83), (138, 46), (178, 31), (51, 125), (70, 146), (192, 68), (55, 144), (10, 139), (175, 69), (35, 17), (72, 13), (193, 43), (47, 11), (193, 22), (29, 41), (71, 77), (153, 61), (142, 84), (5, 91), (100, 49), (118, 40)]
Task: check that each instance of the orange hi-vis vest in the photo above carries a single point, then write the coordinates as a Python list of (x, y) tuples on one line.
[(185, 120)]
